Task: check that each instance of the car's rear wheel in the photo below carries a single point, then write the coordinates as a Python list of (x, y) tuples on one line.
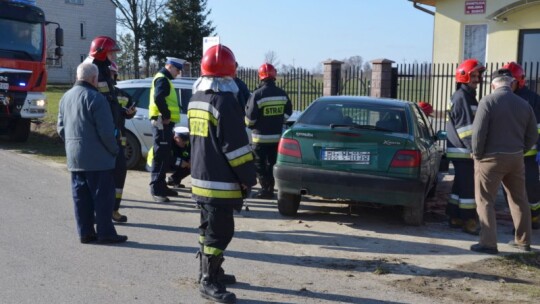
[(288, 203), (413, 214), (132, 151)]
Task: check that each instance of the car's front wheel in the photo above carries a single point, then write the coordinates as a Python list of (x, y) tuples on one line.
[(288, 203), (132, 151), (413, 214)]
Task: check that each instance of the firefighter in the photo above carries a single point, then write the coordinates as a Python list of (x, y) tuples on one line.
[(222, 168), (461, 207), (267, 108), (532, 157), (164, 112), (101, 54)]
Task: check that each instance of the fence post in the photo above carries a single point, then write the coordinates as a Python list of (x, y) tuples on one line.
[(332, 74), (381, 78)]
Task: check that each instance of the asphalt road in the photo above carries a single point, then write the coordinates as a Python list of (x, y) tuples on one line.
[(322, 256)]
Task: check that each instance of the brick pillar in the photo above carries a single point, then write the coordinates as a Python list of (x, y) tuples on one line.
[(331, 77), (381, 78)]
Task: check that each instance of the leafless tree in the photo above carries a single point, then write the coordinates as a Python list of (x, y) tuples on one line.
[(135, 14), (272, 58)]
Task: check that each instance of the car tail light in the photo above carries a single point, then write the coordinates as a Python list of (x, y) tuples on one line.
[(289, 147), (406, 159)]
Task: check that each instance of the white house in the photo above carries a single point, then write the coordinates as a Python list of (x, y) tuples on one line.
[(82, 20)]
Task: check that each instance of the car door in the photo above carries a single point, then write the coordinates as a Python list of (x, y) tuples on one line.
[(426, 138), (141, 120)]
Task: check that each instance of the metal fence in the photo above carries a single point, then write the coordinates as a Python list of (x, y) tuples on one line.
[(354, 81), (435, 83), (302, 86)]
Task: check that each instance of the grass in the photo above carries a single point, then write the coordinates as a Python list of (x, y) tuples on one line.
[(43, 140)]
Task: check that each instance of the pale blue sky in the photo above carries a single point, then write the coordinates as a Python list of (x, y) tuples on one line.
[(307, 32)]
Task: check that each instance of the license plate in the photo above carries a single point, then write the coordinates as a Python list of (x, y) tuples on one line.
[(4, 86), (344, 155)]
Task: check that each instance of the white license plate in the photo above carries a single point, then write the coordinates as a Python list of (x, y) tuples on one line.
[(344, 155), (4, 86)]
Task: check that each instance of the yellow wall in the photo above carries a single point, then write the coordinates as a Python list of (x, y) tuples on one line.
[(502, 40)]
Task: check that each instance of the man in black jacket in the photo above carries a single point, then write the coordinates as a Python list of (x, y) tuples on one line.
[(267, 109)]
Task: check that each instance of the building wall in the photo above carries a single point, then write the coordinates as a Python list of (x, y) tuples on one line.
[(502, 40), (98, 17)]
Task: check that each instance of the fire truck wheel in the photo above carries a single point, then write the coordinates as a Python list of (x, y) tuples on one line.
[(20, 130)]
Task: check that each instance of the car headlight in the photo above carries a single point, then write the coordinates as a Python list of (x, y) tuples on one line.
[(38, 102)]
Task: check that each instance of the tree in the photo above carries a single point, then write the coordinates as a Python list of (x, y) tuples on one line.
[(136, 13), (183, 31), (124, 58), (353, 61), (271, 57)]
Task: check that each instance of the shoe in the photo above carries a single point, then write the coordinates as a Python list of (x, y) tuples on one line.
[(455, 223), (170, 181), (170, 192), (522, 247), (471, 227), (535, 222), (483, 249), (88, 239), (113, 239), (160, 198), (119, 218)]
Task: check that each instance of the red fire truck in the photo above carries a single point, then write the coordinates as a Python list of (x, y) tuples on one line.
[(23, 56)]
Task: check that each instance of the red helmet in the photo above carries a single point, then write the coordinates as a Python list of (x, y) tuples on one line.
[(464, 70), (218, 61), (267, 71), (101, 46), (426, 107), (517, 72)]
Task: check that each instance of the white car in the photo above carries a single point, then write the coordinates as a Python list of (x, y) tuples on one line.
[(139, 128)]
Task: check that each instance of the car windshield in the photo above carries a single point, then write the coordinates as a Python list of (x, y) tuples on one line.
[(356, 115)]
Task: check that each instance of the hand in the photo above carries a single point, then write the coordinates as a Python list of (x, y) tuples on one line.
[(166, 121), (131, 110), (246, 191)]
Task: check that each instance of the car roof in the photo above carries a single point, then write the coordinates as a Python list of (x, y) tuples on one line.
[(183, 82), (365, 100)]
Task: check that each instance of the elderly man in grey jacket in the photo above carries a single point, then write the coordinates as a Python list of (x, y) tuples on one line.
[(85, 124), (503, 128)]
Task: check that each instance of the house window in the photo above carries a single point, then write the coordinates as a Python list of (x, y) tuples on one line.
[(474, 42), (79, 2), (528, 55), (83, 30)]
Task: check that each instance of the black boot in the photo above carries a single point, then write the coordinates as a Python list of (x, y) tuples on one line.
[(222, 277), (209, 287)]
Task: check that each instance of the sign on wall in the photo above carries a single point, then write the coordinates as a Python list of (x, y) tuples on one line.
[(209, 42), (475, 7)]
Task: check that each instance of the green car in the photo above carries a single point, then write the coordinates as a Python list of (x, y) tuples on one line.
[(360, 149)]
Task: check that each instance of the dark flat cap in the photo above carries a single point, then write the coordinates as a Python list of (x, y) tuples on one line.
[(501, 72)]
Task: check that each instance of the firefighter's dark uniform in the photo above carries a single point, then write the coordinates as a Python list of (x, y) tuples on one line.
[(461, 207), (163, 105), (266, 110), (106, 85), (532, 182), (222, 161), (179, 155)]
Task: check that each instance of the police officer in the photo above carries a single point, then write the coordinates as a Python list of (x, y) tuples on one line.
[(532, 157), (266, 110), (222, 169), (164, 112), (101, 54), (181, 150), (461, 207)]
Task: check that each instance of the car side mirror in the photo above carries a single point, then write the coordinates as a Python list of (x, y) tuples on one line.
[(441, 135)]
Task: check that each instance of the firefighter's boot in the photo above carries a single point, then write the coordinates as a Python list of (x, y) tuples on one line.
[(222, 277), (119, 218), (535, 222), (455, 223), (209, 287), (471, 227)]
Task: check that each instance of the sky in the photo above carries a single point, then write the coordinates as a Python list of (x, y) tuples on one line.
[(304, 33)]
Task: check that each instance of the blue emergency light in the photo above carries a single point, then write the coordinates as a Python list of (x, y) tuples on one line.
[(22, 84)]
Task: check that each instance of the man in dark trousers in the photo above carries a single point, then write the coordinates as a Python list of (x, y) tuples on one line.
[(267, 109), (164, 112), (86, 125), (503, 129), (101, 54), (222, 169), (532, 157), (461, 206)]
